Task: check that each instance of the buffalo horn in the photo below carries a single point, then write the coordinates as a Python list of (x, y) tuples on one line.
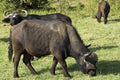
[(26, 13), (4, 14), (87, 54)]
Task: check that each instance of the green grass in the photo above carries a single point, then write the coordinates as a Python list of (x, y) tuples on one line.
[(104, 40)]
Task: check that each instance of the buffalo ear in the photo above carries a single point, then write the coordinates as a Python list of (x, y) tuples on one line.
[(88, 45), (6, 20)]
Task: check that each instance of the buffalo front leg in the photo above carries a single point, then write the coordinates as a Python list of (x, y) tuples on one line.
[(16, 63), (105, 15), (26, 60), (17, 47), (62, 62), (52, 70), (105, 19), (64, 67)]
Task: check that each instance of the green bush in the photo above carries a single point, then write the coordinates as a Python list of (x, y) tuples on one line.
[(26, 4), (86, 8)]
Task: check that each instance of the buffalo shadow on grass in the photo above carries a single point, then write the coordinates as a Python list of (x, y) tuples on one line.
[(105, 67), (113, 20), (5, 39), (110, 21), (103, 47), (71, 68), (117, 20), (43, 70)]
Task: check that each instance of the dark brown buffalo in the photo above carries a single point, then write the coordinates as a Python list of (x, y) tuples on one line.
[(15, 17), (103, 11), (40, 38)]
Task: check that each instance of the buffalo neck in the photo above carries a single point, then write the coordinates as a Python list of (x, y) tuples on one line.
[(77, 46)]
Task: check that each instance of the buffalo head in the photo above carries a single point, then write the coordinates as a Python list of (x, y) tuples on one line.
[(87, 63), (98, 17), (13, 18)]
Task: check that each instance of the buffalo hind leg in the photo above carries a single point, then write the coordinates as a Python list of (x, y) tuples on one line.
[(52, 70), (10, 51), (10, 48), (26, 60)]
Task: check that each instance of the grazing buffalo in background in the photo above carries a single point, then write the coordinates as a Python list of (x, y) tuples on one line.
[(103, 11), (40, 38), (15, 18)]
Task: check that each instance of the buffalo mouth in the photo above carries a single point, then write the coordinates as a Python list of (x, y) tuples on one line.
[(91, 72)]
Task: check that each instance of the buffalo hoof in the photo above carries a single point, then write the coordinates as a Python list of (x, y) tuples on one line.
[(34, 73), (52, 72), (69, 76), (16, 76)]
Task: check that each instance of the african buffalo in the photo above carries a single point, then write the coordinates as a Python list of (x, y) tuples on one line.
[(103, 11), (43, 37), (15, 18)]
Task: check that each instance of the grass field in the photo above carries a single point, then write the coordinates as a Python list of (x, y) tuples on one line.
[(104, 40)]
